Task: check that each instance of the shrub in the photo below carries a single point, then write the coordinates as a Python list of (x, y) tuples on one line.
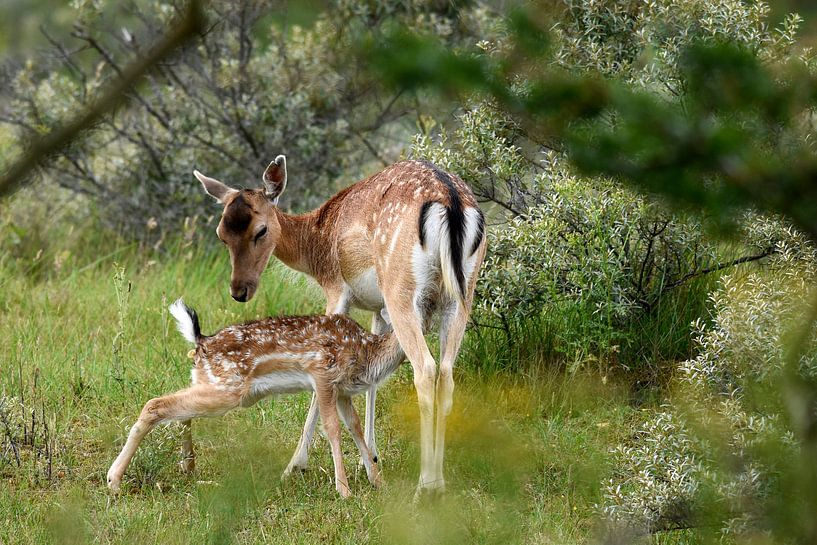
[(593, 254), (643, 43), (727, 451)]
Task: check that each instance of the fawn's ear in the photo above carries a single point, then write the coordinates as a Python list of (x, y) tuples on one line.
[(213, 187), (275, 178)]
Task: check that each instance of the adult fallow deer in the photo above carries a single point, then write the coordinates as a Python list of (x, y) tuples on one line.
[(405, 243)]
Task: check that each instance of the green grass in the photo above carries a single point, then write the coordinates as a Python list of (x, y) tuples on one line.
[(83, 348)]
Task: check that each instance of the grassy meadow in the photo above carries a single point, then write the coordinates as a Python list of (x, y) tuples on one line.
[(84, 346)]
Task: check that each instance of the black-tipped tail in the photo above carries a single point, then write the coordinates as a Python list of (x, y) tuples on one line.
[(187, 321), (455, 245)]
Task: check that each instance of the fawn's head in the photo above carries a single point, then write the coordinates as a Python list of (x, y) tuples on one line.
[(249, 225)]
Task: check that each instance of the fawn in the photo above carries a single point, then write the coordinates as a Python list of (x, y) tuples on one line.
[(241, 364)]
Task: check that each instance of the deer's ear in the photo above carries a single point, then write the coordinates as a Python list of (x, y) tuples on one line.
[(213, 187), (275, 178)]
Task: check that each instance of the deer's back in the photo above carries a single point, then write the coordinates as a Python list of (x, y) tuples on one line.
[(281, 355), (380, 215)]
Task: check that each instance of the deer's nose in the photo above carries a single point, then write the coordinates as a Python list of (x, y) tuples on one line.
[(240, 294)]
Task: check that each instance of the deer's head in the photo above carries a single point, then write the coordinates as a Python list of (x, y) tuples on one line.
[(249, 225)]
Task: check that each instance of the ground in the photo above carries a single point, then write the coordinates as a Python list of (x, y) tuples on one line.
[(85, 348)]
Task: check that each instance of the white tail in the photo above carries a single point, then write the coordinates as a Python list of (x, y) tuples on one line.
[(186, 320), (452, 233)]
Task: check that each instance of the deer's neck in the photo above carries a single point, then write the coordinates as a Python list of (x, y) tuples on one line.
[(386, 355), (298, 242)]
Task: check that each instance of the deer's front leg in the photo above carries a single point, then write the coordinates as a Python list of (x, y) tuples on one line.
[(371, 442), (349, 416), (327, 404), (379, 326)]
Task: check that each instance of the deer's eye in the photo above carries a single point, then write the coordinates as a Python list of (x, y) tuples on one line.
[(260, 234)]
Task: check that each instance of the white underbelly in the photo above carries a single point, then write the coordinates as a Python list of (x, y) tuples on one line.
[(364, 291), (281, 382)]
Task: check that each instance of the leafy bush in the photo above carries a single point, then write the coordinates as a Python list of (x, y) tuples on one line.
[(643, 43), (593, 254), (726, 453), (659, 472)]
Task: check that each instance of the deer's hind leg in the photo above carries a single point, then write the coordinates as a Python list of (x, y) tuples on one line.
[(452, 330), (352, 421), (184, 405), (408, 326)]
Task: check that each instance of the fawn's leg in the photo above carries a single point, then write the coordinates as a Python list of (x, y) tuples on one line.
[(188, 462), (196, 401), (300, 457), (350, 418), (327, 405)]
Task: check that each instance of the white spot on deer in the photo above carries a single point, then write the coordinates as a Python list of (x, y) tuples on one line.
[(211, 377), (395, 236)]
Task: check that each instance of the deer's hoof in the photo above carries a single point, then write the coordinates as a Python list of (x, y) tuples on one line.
[(113, 481), (429, 491), (188, 464), (344, 491), (292, 469)]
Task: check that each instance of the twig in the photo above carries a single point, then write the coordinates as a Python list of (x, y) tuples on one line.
[(718, 267)]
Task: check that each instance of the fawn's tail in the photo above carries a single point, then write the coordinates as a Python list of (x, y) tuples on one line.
[(186, 320)]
